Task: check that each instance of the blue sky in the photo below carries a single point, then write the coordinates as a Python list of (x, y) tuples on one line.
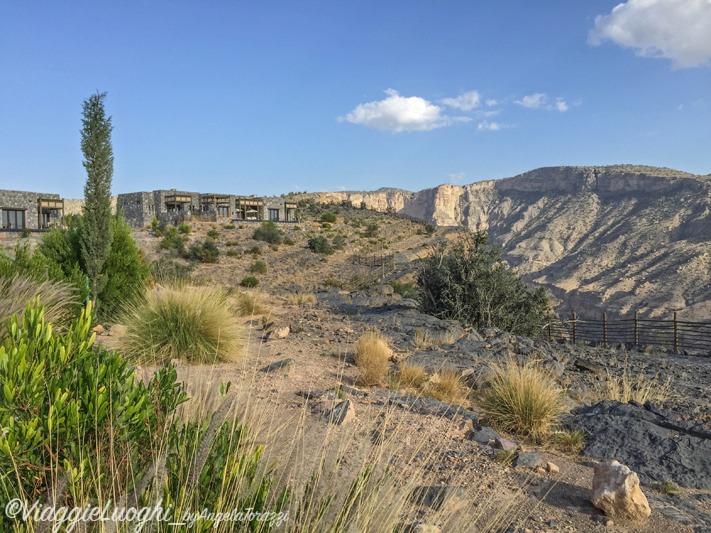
[(269, 97)]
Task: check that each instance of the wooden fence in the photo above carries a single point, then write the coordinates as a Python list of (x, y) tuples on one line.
[(672, 334), (378, 266)]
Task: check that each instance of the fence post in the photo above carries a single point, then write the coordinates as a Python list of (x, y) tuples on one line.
[(636, 328), (676, 334), (575, 328), (604, 328), (550, 336)]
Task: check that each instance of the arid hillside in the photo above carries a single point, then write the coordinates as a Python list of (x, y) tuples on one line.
[(616, 239)]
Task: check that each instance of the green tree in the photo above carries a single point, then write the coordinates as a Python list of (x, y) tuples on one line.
[(469, 281), (96, 237)]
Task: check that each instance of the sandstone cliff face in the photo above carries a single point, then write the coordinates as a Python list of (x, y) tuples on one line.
[(614, 239)]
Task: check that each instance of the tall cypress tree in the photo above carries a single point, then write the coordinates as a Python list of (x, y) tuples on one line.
[(96, 235)]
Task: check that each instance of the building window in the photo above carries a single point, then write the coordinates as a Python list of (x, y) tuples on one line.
[(13, 218), (223, 211), (273, 214)]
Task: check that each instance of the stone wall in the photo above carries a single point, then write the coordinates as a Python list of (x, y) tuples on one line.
[(27, 202)]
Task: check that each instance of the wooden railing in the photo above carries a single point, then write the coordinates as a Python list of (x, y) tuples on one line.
[(672, 334), (378, 267)]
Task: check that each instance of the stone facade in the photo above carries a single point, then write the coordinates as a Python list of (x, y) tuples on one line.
[(30, 210), (175, 207)]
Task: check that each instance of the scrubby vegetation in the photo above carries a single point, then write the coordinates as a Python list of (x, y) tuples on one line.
[(258, 267), (372, 358), (190, 323), (269, 233), (204, 251), (469, 281), (249, 282), (320, 245)]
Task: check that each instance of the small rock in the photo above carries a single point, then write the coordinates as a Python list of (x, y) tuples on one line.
[(343, 413), (466, 426), (528, 459), (484, 435), (617, 492), (279, 365), (384, 289), (98, 329), (281, 333), (505, 444), (118, 330), (552, 468)]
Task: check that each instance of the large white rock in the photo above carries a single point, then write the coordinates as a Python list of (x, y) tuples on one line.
[(617, 492)]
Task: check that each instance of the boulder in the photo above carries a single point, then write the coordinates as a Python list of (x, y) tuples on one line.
[(484, 435), (505, 444), (617, 492), (281, 333), (99, 329), (343, 413), (527, 459)]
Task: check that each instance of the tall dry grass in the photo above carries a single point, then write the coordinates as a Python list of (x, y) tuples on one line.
[(626, 387), (251, 303), (372, 358), (522, 399), (194, 324), (57, 298)]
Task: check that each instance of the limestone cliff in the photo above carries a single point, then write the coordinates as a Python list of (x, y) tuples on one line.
[(617, 239)]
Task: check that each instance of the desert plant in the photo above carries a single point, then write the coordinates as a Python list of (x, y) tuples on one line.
[(522, 399), (254, 250), (639, 388), (570, 440), (58, 299), (234, 253), (249, 282), (408, 376), (171, 272), (250, 303), (371, 230), (25, 232), (269, 233), (298, 298), (258, 267), (470, 282), (288, 241), (228, 226), (320, 245), (184, 228), (204, 251), (326, 226), (668, 487), (406, 290), (372, 358), (445, 386), (190, 323), (328, 216), (213, 234), (339, 242), (504, 457)]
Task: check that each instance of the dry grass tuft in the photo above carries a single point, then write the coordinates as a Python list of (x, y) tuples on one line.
[(425, 339), (371, 358), (306, 300), (571, 441), (194, 324), (523, 400), (445, 386), (250, 303), (626, 388), (57, 299), (408, 377)]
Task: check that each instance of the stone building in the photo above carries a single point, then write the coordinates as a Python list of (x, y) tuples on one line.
[(31, 210), (175, 207)]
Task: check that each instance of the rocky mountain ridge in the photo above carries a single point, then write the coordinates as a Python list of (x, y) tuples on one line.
[(616, 239)]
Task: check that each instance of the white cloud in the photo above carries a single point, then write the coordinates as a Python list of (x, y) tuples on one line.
[(465, 102), (533, 101), (679, 30), (491, 102), (561, 105), (457, 177), (398, 113), (490, 126)]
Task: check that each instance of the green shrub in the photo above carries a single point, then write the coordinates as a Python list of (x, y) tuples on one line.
[(168, 271), (406, 290), (339, 242), (192, 323), (320, 245), (288, 241), (184, 228), (269, 233), (430, 229), (371, 229), (204, 251), (328, 216), (234, 253), (249, 281), (213, 234), (470, 282), (25, 232), (254, 250), (232, 243), (297, 228), (326, 226), (259, 267), (158, 227), (228, 226)]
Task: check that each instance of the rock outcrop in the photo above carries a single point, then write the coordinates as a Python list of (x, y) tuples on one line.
[(617, 492), (616, 239)]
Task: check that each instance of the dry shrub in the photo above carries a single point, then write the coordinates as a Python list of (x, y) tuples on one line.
[(195, 324), (251, 303), (298, 298), (626, 388), (371, 358), (445, 386), (522, 399), (408, 376), (425, 339), (56, 297)]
